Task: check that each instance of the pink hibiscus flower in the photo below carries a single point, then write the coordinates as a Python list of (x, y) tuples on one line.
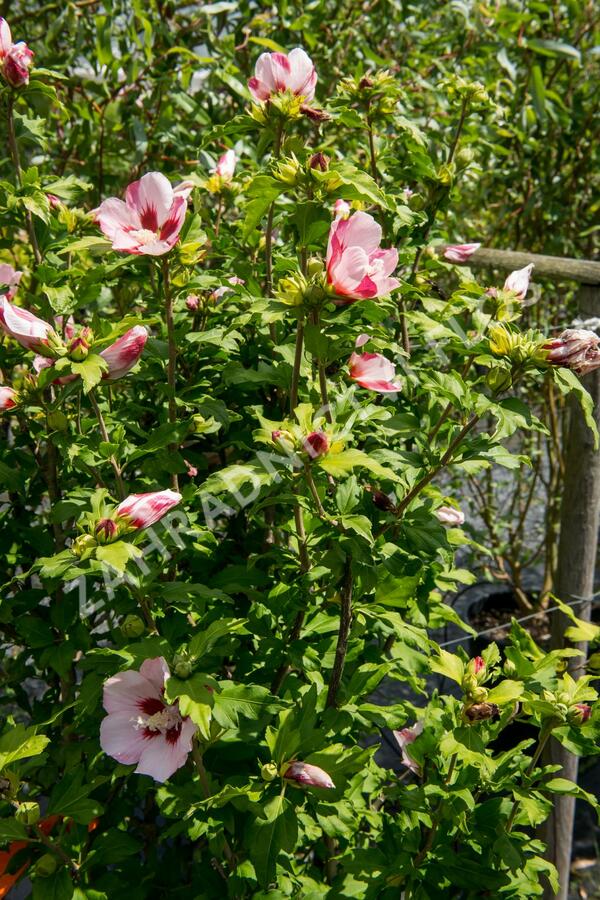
[(141, 727), (374, 372), (150, 219), (356, 266), (276, 73)]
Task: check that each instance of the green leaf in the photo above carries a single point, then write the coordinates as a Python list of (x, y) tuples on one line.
[(11, 830), (250, 701), (554, 48), (19, 743), (275, 831), (263, 190), (567, 382), (118, 554), (70, 797), (538, 92), (91, 370), (196, 698), (449, 665), (342, 463), (57, 886), (506, 692), (203, 643)]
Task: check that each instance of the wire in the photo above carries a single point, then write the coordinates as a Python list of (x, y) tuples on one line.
[(534, 615)]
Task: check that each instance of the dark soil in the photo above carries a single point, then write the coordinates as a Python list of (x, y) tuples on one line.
[(496, 612)]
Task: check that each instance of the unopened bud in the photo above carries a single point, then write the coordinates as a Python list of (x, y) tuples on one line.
[(478, 712), (317, 115), (106, 531), (192, 301), (319, 161), (132, 626), (85, 543), (381, 500), (365, 82), (28, 813), (182, 666), (509, 668), (579, 714), (316, 444), (80, 346), (283, 439), (268, 772)]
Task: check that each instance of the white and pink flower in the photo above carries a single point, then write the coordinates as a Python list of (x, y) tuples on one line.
[(460, 253), (356, 266), (405, 738), (122, 356), (306, 773), (143, 510), (15, 59), (225, 167), (29, 331), (518, 281), (150, 219), (577, 349), (225, 289), (276, 73), (10, 278), (8, 398), (141, 727), (374, 372), (449, 515)]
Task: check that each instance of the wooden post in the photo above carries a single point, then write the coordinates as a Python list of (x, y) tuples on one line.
[(577, 549), (559, 268)]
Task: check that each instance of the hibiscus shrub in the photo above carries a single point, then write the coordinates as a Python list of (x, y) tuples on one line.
[(238, 364)]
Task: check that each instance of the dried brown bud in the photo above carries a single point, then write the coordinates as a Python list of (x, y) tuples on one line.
[(317, 115), (319, 161), (365, 82), (480, 711)]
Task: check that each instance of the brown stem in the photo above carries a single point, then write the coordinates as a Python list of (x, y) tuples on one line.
[(172, 363), (343, 632), (105, 437), (443, 462), (297, 365), (372, 154)]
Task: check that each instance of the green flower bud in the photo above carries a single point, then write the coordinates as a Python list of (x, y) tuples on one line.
[(509, 668), (132, 626), (287, 170), (182, 666), (28, 813), (46, 865), (84, 544), (269, 772), (479, 695), (464, 157)]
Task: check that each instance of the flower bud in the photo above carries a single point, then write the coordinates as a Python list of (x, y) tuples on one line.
[(509, 668), (84, 544), (132, 626), (283, 439), (365, 82), (192, 301), (316, 444), (314, 266), (106, 531), (269, 772), (316, 115), (28, 813), (305, 773), (182, 666), (319, 161), (478, 694), (46, 865), (287, 170), (478, 712), (579, 714), (381, 500), (80, 346), (577, 349), (465, 157)]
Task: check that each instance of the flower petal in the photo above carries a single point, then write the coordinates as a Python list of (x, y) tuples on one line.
[(152, 198), (126, 690), (120, 739)]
